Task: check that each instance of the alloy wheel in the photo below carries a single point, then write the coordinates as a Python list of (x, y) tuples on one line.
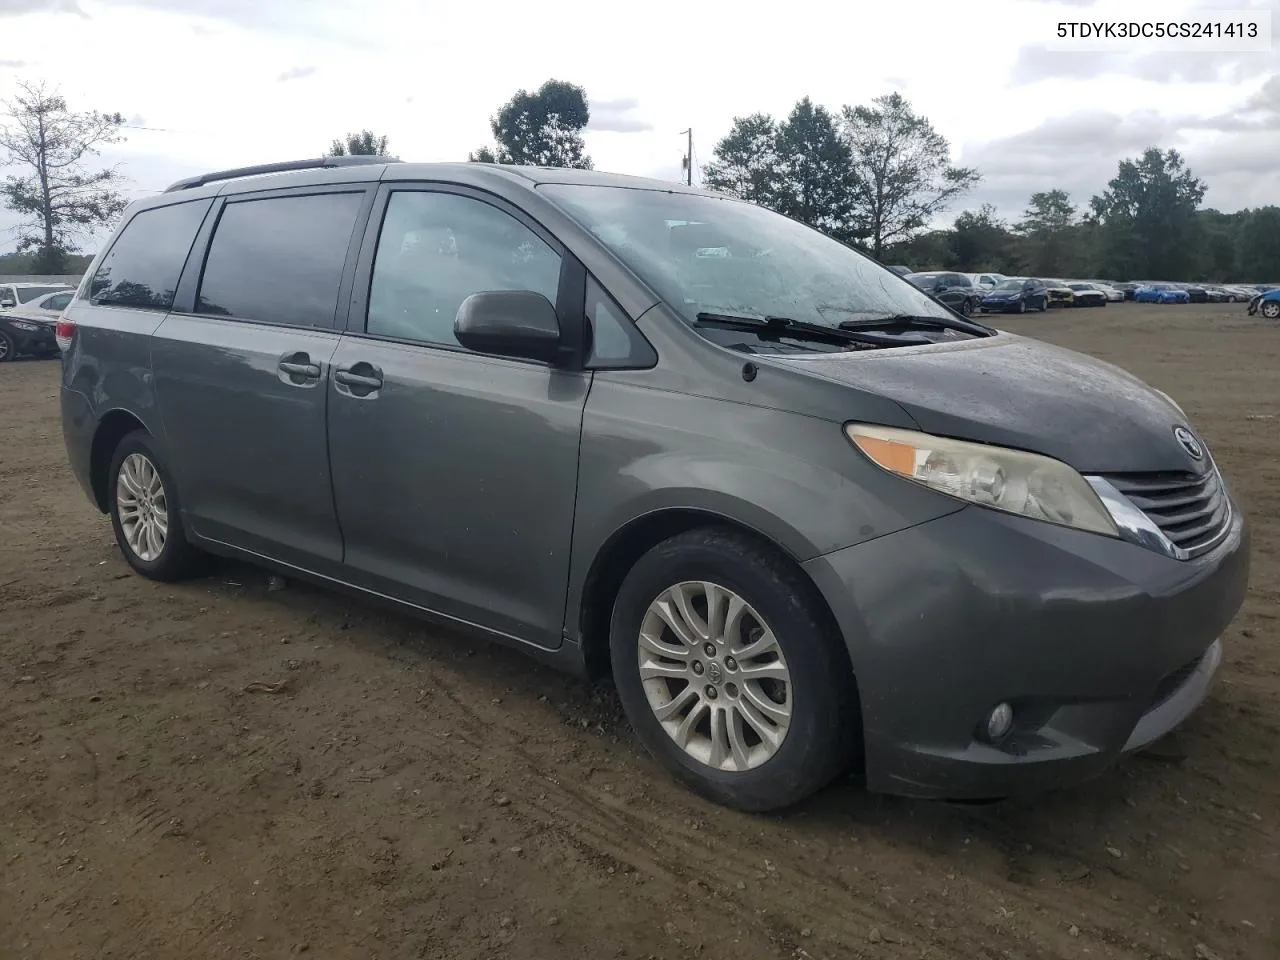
[(715, 676), (142, 506), (1271, 309)]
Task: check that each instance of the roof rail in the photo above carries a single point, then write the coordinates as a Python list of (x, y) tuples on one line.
[(316, 164)]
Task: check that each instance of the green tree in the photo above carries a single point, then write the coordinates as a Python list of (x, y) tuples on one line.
[(1219, 247), (902, 170), (980, 240), (1259, 245), (1147, 215), (1048, 228), (816, 182), (746, 161), (364, 144), (57, 199), (542, 128)]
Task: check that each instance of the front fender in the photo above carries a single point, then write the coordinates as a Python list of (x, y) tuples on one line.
[(793, 478)]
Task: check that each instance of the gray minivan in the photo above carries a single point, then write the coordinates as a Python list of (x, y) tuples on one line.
[(809, 518)]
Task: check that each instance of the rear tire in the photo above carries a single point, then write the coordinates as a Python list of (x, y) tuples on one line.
[(145, 512), (753, 743)]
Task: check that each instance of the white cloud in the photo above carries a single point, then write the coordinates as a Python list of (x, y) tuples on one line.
[(204, 75)]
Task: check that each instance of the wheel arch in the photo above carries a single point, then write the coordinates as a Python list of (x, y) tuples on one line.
[(619, 553), (113, 427)]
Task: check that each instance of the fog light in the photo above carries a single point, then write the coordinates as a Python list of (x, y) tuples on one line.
[(999, 722)]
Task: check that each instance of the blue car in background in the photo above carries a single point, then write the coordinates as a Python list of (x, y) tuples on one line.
[(1161, 293), (1267, 303)]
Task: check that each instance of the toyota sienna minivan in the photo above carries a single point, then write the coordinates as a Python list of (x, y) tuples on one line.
[(810, 519)]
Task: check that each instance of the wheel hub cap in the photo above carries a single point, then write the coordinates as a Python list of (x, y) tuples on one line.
[(715, 676), (142, 507)]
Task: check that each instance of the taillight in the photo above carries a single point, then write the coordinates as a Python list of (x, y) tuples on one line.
[(62, 333)]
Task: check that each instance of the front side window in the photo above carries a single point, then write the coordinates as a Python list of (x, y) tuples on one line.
[(718, 255), (142, 267), (436, 249), (58, 302), (279, 260)]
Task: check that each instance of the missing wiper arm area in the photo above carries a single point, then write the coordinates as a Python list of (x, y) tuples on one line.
[(912, 321), (773, 328)]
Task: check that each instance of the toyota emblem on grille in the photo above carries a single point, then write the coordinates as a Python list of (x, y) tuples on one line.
[(1189, 443)]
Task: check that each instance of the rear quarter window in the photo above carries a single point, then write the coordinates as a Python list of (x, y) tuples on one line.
[(143, 265)]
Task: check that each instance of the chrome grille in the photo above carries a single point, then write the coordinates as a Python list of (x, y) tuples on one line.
[(1191, 509)]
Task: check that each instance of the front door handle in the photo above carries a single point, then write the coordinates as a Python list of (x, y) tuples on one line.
[(298, 370), (309, 370)]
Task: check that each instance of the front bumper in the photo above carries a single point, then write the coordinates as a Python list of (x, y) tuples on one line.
[(1100, 645)]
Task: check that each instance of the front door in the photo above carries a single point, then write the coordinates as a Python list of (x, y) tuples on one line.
[(241, 380), (454, 473)]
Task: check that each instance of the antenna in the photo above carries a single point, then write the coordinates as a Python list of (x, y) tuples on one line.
[(687, 163)]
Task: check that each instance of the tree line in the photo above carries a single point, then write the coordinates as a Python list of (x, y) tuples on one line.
[(876, 176)]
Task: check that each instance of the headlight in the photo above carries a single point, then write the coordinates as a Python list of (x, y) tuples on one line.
[(1010, 480)]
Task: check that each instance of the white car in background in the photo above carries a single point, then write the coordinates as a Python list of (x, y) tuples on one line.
[(1113, 295), (15, 295), (987, 281), (47, 307)]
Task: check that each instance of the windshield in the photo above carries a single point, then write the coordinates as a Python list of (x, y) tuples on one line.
[(1080, 286), (1010, 285), (716, 255)]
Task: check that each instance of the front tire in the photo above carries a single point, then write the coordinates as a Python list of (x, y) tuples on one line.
[(143, 503), (1271, 309), (1022, 306), (730, 672), (8, 351)]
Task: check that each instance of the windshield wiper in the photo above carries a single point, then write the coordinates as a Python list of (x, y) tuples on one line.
[(772, 328), (910, 321)]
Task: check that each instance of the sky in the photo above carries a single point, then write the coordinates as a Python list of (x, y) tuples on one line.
[(210, 84)]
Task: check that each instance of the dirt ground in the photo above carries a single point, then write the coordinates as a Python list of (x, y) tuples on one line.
[(413, 794)]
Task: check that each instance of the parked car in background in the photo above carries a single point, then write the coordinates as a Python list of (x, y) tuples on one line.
[(47, 307), (1196, 292), (1059, 293), (1161, 293), (954, 289), (29, 335), (1216, 293), (1268, 304), (1239, 293), (1086, 294), (901, 270), (987, 281), (930, 563), (1015, 295), (1127, 288), (19, 294), (1112, 293)]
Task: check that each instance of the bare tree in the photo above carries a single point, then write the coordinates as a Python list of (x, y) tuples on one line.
[(58, 199)]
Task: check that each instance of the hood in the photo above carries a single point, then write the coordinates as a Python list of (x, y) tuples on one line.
[(1016, 392)]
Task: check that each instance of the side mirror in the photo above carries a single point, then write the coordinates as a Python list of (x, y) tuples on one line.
[(510, 323)]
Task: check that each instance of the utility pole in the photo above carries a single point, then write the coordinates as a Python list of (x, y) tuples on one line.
[(688, 157)]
